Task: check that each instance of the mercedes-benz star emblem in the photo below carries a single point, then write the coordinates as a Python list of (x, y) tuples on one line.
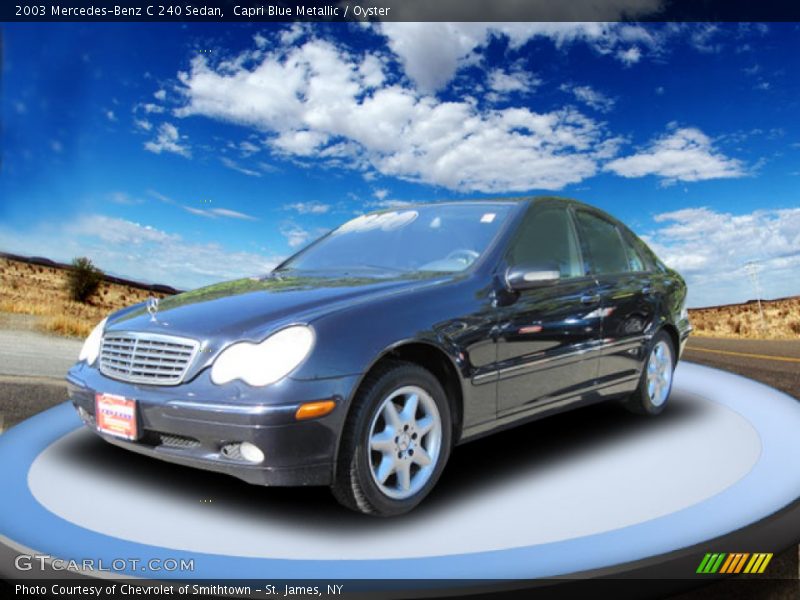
[(152, 307)]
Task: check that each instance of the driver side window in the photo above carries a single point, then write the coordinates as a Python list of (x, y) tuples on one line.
[(546, 240)]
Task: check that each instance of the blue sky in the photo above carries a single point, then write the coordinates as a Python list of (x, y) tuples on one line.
[(188, 154)]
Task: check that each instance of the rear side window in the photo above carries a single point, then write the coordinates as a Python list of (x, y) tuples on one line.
[(546, 240), (603, 244), (648, 254), (636, 261)]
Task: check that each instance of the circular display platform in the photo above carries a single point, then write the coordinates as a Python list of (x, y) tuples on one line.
[(581, 491)]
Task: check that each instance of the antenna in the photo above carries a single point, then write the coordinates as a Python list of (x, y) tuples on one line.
[(752, 268)]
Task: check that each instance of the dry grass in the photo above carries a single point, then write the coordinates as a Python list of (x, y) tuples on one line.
[(781, 320), (42, 291)]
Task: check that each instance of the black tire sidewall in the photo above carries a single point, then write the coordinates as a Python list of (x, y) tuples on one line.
[(396, 378)]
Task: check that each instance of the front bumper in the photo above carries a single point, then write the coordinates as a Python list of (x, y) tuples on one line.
[(189, 424)]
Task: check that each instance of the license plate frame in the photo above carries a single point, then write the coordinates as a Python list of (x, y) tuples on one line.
[(116, 415)]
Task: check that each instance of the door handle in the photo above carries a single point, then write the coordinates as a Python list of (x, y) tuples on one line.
[(590, 298)]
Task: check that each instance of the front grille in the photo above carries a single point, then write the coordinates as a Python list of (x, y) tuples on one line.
[(146, 357)]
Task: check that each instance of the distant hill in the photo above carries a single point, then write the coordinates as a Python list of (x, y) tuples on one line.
[(46, 262)]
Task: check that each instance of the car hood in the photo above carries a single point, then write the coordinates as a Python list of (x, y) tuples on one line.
[(250, 308)]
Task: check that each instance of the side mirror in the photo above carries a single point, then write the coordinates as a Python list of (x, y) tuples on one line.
[(524, 277)]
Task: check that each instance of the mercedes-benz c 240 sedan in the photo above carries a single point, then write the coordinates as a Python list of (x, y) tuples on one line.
[(362, 360)]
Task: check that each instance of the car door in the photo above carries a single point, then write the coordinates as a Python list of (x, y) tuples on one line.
[(546, 336), (628, 299)]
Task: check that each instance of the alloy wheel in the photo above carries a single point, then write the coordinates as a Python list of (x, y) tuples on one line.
[(659, 373), (405, 439)]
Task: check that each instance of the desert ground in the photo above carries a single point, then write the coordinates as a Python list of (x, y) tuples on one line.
[(31, 289), (743, 321)]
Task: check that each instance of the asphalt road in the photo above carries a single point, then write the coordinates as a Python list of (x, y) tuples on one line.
[(774, 362), (32, 369), (31, 354)]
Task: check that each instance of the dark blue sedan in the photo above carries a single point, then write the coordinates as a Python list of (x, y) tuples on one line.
[(362, 360)]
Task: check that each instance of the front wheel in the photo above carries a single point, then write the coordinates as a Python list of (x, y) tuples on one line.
[(396, 441), (655, 385)]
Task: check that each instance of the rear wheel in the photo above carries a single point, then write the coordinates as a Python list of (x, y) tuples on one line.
[(655, 385), (396, 441)]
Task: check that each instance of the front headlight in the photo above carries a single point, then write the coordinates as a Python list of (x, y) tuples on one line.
[(91, 347), (267, 362)]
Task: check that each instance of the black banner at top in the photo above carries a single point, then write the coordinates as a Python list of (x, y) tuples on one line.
[(399, 10)]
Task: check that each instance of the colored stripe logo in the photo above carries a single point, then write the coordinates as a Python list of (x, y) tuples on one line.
[(734, 562)]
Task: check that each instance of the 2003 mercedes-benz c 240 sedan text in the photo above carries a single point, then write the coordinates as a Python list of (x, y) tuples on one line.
[(363, 359)]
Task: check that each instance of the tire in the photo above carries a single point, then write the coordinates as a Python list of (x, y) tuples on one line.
[(655, 384), (372, 437)]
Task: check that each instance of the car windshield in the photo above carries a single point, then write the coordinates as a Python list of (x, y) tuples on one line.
[(445, 237)]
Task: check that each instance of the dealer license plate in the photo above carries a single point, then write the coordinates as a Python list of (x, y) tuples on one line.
[(115, 415)]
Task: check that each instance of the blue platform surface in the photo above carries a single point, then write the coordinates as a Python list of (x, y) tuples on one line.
[(745, 422)]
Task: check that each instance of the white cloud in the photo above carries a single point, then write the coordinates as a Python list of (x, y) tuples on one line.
[(152, 108), (371, 71), (630, 56), (168, 140), (123, 198), (161, 197), (431, 53), (137, 251), (213, 213), (381, 194), (295, 235), (302, 143), (232, 214), (516, 79), (110, 115), (160, 95), (314, 100), (290, 35), (686, 154), (232, 164), (308, 208), (710, 248), (702, 38), (200, 212), (591, 97), (248, 148), (143, 124), (373, 205)]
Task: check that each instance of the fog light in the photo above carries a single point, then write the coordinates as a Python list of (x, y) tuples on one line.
[(251, 452)]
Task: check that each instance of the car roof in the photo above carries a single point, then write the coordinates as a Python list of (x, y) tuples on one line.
[(493, 200)]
